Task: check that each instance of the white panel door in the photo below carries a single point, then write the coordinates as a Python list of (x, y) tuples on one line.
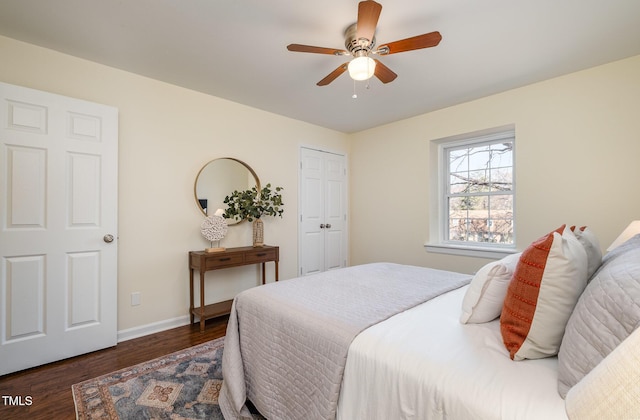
[(311, 236), (58, 206), (334, 211), (323, 216)]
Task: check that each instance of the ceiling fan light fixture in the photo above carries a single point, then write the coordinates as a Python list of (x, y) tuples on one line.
[(362, 68), (360, 41)]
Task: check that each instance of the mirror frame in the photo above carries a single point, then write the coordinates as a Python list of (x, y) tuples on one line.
[(230, 222)]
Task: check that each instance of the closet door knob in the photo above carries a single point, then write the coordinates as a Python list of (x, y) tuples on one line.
[(108, 238), (328, 225), (322, 226)]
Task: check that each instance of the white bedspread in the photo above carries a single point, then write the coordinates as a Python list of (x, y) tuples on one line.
[(424, 364)]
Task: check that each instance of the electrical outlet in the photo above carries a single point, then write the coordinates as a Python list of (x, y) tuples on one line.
[(135, 298)]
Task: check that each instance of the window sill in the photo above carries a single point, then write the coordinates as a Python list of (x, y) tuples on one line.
[(470, 251)]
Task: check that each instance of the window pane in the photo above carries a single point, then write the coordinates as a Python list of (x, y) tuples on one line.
[(458, 183), (465, 206), (502, 154), (501, 206), (501, 179), (478, 205), (458, 207), (478, 181), (458, 160), (478, 228), (457, 229), (479, 157), (501, 231)]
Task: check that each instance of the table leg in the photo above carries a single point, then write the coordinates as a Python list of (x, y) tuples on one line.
[(276, 270), (202, 300), (264, 273), (191, 316)]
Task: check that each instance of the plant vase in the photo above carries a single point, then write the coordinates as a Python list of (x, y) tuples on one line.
[(252, 205), (258, 233)]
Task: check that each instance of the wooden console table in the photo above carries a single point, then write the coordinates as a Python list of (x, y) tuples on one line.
[(231, 257)]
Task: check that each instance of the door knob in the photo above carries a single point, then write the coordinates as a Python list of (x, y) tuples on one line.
[(108, 238), (328, 225), (322, 226)]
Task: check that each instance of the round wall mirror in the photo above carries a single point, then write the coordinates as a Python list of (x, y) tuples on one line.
[(218, 179)]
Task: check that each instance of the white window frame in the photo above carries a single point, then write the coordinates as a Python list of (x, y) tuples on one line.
[(438, 195)]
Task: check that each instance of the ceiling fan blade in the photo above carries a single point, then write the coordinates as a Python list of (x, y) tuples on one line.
[(414, 43), (368, 14), (384, 73), (333, 75), (316, 50)]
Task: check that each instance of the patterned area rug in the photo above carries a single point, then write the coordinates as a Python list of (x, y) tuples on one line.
[(180, 386)]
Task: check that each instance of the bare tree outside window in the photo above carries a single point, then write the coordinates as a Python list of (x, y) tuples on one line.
[(480, 192)]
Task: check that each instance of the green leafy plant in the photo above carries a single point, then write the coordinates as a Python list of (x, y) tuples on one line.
[(253, 204)]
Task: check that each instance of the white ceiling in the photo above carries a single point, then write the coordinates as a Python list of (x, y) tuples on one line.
[(236, 49)]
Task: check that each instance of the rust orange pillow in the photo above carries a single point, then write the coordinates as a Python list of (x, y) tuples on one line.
[(548, 280)]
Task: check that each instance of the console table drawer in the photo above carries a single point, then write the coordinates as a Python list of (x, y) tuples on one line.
[(260, 255), (223, 261)]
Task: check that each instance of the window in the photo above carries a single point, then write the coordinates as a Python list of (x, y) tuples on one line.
[(476, 193)]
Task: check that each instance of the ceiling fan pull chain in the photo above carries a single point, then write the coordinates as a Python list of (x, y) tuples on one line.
[(355, 95)]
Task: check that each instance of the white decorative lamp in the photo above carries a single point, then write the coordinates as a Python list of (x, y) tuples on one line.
[(214, 228), (362, 68), (631, 230)]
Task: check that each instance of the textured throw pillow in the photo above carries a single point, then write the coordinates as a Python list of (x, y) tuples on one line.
[(549, 278), (607, 312), (591, 244), (612, 389), (485, 296)]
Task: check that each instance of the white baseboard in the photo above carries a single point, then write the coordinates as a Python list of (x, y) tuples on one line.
[(152, 328)]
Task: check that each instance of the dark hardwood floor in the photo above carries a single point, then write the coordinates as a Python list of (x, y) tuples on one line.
[(49, 386)]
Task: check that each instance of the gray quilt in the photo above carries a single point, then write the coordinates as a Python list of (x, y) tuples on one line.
[(287, 342)]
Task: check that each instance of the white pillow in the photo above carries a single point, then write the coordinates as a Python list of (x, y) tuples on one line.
[(592, 246), (484, 298), (611, 390)]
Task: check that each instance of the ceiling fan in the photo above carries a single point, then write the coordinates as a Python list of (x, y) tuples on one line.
[(360, 42)]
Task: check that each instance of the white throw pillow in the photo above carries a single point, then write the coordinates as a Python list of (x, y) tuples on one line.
[(591, 245), (484, 298), (549, 278), (611, 390)]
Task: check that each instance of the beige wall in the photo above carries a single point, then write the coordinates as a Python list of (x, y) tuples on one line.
[(166, 134), (577, 162), (577, 148)]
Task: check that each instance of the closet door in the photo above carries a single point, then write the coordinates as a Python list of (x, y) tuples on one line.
[(322, 207)]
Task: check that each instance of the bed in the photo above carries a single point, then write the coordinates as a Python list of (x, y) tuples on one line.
[(386, 341)]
